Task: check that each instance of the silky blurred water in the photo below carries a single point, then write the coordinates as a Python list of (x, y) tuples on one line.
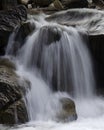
[(43, 103)]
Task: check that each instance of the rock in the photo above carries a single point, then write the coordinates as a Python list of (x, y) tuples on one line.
[(99, 4), (7, 63), (57, 5), (12, 90), (25, 2), (9, 20), (14, 114), (68, 112), (26, 29), (74, 17), (20, 35), (53, 34), (75, 3)]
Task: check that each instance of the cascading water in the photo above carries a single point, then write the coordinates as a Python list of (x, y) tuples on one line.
[(61, 56), (54, 58)]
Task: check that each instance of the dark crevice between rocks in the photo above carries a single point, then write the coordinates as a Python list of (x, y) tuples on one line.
[(96, 47)]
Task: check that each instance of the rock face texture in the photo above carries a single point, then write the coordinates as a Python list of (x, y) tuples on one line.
[(12, 106), (9, 20)]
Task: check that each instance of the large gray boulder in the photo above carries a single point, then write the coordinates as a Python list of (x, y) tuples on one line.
[(12, 91)]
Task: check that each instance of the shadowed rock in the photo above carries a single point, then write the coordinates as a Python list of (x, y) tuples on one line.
[(12, 91), (19, 37), (9, 20)]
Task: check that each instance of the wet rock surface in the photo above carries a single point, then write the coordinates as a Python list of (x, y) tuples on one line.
[(12, 106), (68, 112), (20, 35), (16, 113)]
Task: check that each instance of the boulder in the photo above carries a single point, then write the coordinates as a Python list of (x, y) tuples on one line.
[(74, 3), (12, 91), (56, 5), (14, 114), (68, 112), (9, 20)]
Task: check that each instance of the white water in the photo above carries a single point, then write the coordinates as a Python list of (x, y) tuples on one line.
[(90, 113), (43, 104)]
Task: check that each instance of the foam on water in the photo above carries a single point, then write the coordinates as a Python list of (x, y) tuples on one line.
[(84, 122), (81, 124)]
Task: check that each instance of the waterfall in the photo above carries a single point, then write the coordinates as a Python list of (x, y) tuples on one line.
[(61, 56), (57, 63), (54, 59)]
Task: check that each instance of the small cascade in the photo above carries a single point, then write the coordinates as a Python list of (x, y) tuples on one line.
[(61, 56), (11, 43), (56, 62), (54, 58)]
